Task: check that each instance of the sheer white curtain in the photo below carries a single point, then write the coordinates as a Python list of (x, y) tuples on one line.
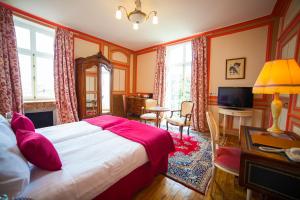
[(178, 75)]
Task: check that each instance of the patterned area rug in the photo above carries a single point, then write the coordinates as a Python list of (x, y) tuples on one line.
[(191, 164)]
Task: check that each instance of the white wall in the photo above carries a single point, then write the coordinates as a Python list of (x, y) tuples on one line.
[(83, 48), (250, 44)]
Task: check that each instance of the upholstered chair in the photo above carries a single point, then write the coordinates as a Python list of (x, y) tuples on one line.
[(224, 158), (149, 116), (184, 118)]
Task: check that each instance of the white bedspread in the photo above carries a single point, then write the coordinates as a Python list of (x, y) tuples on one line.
[(67, 131), (91, 164)]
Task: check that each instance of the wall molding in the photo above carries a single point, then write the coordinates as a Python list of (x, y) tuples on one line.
[(292, 25), (247, 25), (294, 102), (110, 55), (291, 30), (244, 26), (281, 7), (252, 26)]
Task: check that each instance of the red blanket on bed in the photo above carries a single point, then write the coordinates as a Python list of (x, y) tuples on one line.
[(105, 121), (157, 142)]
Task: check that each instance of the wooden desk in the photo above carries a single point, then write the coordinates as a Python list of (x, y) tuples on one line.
[(235, 113), (272, 174)]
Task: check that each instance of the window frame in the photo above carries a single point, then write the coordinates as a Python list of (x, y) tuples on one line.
[(33, 53)]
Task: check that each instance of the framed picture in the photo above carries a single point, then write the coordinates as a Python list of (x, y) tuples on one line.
[(235, 68)]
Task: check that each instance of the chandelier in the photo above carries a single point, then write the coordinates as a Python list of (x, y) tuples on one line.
[(137, 16)]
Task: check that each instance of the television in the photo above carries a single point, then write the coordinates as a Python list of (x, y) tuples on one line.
[(235, 97)]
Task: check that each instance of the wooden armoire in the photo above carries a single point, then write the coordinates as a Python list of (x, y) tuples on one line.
[(94, 85)]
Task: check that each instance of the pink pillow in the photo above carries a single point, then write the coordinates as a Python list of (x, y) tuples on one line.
[(20, 121), (38, 150)]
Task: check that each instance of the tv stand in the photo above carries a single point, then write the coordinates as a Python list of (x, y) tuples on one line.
[(232, 108), (241, 113)]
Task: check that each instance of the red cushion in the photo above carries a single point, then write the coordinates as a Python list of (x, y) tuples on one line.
[(38, 150), (229, 158), (20, 121)]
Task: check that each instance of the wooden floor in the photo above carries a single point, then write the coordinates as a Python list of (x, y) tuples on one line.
[(167, 189)]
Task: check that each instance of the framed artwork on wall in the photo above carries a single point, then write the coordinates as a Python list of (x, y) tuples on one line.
[(235, 68)]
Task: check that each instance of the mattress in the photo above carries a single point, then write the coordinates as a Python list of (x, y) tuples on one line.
[(92, 162), (67, 131)]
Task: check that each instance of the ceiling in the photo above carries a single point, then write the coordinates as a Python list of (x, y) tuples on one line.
[(177, 18)]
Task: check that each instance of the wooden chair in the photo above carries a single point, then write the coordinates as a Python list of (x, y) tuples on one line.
[(184, 118), (149, 116), (225, 158)]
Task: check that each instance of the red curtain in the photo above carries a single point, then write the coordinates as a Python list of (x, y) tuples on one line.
[(10, 78), (64, 81), (160, 76), (199, 84)]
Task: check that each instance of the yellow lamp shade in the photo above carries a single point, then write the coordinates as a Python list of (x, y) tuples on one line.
[(278, 76)]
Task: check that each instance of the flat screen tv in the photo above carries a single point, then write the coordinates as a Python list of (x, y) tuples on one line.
[(235, 97)]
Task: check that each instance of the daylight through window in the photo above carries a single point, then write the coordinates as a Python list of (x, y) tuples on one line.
[(35, 50), (178, 76)]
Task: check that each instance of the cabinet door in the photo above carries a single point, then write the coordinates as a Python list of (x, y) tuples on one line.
[(91, 91)]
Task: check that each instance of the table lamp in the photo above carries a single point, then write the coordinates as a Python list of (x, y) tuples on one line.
[(278, 77)]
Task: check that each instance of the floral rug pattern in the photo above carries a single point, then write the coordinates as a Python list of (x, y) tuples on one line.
[(190, 164)]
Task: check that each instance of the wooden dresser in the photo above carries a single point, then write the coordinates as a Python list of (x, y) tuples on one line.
[(135, 104)]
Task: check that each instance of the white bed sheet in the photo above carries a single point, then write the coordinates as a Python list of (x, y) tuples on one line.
[(67, 131), (91, 164)]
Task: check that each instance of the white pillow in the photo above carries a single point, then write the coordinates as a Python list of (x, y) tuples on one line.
[(3, 119), (14, 174), (7, 136)]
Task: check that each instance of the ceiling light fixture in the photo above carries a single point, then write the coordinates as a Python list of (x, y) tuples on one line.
[(137, 17)]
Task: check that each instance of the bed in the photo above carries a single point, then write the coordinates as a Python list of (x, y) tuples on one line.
[(98, 163)]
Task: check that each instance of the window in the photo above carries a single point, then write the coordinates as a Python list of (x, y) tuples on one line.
[(178, 75), (36, 51)]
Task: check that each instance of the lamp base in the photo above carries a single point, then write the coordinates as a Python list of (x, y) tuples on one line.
[(276, 107), (275, 130)]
